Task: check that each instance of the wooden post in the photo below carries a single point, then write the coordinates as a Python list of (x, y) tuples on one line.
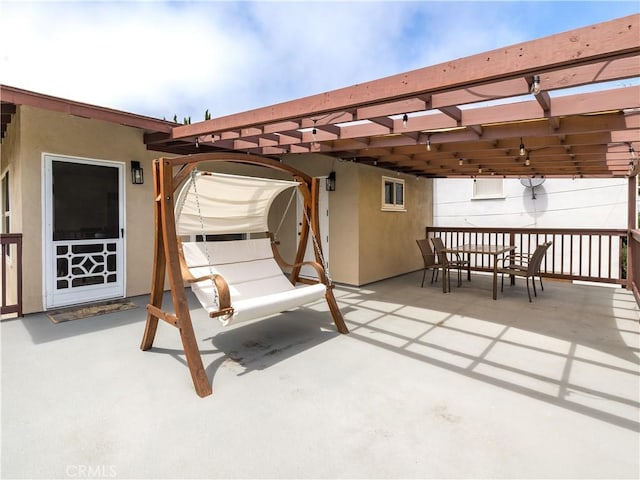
[(167, 256), (632, 224), (315, 227), (304, 233), (159, 265)]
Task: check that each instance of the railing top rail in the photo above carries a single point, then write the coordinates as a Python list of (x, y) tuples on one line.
[(10, 237), (557, 231)]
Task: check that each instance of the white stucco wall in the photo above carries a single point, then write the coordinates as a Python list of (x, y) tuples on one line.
[(559, 203)]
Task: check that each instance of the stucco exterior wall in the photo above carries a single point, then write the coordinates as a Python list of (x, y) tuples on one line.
[(559, 203), (8, 152), (42, 131), (343, 213), (366, 243), (387, 244)]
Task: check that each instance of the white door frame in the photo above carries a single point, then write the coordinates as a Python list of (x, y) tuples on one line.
[(323, 220), (53, 296)]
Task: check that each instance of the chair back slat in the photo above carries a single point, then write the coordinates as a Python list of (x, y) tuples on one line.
[(428, 256), (438, 245)]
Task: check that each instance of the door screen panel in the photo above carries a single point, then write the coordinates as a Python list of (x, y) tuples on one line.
[(85, 201)]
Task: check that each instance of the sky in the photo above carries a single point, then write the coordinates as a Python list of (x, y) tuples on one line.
[(161, 58)]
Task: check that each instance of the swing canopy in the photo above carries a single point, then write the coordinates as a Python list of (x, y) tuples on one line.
[(217, 203)]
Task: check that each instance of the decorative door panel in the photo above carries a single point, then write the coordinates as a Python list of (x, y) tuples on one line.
[(84, 229)]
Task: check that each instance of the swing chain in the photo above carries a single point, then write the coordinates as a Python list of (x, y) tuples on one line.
[(194, 173), (293, 193)]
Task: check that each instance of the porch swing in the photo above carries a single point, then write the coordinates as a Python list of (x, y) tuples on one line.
[(234, 280)]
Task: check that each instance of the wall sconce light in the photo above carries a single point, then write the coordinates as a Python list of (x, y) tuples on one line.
[(331, 182), (137, 173)]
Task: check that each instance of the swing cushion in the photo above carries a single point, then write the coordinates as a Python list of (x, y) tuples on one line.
[(257, 285)]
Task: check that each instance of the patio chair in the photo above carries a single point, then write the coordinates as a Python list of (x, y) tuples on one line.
[(448, 263), (524, 265), (429, 259)]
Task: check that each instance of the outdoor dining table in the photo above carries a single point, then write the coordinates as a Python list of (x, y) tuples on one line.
[(481, 249)]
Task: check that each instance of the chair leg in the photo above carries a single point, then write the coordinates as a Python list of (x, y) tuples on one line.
[(541, 285), (528, 291), (434, 273), (424, 273), (533, 280), (502, 282)]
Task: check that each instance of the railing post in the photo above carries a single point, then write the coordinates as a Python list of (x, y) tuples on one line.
[(630, 280), (632, 224), (6, 240), (633, 263)]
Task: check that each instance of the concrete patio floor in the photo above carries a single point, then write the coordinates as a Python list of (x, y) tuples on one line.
[(426, 385)]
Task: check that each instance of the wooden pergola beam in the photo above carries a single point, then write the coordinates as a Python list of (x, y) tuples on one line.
[(583, 46)]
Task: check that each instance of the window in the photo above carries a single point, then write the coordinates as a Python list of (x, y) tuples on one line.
[(487, 188), (392, 194), (4, 201)]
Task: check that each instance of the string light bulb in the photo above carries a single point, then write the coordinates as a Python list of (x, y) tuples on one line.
[(535, 85), (527, 162), (405, 120), (522, 150), (428, 143), (197, 143)]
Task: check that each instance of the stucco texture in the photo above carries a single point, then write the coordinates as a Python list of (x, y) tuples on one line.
[(36, 132), (368, 244)]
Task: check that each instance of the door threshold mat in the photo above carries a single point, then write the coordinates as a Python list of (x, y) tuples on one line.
[(93, 310)]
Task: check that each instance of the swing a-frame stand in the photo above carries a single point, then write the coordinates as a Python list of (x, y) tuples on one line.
[(169, 258)]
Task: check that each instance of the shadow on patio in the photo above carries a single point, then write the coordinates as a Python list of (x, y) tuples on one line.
[(543, 389), (575, 346)]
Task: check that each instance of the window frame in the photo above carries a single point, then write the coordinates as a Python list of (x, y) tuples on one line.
[(395, 205), (488, 196)]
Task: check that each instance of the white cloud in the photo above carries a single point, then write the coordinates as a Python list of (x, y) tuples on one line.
[(160, 58)]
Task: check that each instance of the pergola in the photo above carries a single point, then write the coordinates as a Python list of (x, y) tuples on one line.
[(554, 107)]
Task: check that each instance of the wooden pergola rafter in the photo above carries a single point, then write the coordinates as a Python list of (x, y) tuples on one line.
[(472, 113)]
